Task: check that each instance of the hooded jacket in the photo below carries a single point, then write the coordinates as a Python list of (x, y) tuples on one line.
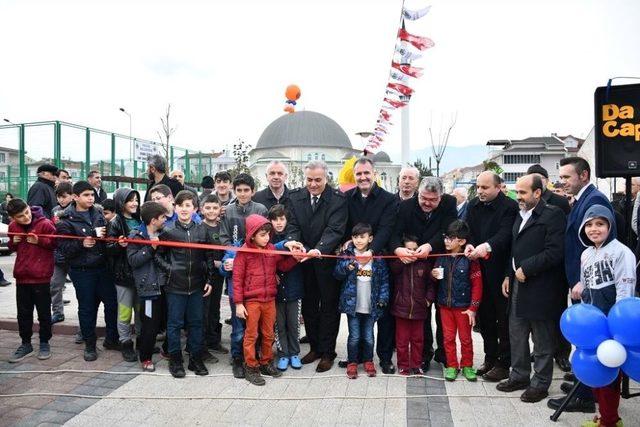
[(141, 258), (413, 287), (34, 263), (608, 273), (71, 251), (42, 193), (122, 273), (254, 273)]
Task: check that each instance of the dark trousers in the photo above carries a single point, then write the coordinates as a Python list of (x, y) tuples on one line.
[(179, 307), (428, 350), (386, 336), (29, 296), (360, 341), (563, 347), (93, 286), (494, 326), (150, 326), (288, 328), (212, 327), (320, 307), (238, 327)]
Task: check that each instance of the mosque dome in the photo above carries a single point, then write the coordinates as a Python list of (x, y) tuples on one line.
[(304, 129)]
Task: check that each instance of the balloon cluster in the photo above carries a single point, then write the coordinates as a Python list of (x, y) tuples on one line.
[(604, 344), (292, 93)]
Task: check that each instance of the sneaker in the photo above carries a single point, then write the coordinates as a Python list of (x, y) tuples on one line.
[(24, 351), (253, 376), (405, 372), (469, 373), (78, 339), (450, 374), (90, 352), (128, 353), (595, 422), (197, 366), (283, 363), (370, 369), (148, 366), (219, 348), (112, 345), (238, 368), (57, 318), (44, 352), (208, 357), (295, 362), (352, 371), (270, 370), (387, 368)]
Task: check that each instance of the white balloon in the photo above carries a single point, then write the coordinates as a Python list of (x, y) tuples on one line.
[(611, 353)]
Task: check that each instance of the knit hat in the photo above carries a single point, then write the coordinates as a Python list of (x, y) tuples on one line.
[(47, 168), (81, 186), (207, 182), (538, 169)]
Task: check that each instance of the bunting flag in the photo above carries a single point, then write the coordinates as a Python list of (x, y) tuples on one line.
[(400, 88), (413, 15), (395, 104), (406, 53), (408, 69), (419, 42), (401, 77), (385, 115)]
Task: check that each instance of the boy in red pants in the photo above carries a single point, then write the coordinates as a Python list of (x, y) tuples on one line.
[(459, 294)]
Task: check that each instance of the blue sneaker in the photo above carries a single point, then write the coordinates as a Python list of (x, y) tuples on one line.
[(283, 363), (25, 350), (295, 362)]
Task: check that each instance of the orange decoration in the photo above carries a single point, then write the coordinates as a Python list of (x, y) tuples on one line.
[(292, 93)]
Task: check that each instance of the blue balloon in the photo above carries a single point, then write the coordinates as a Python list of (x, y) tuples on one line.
[(624, 322), (631, 366), (590, 371), (585, 326)]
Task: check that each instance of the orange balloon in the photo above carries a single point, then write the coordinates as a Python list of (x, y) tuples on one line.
[(292, 93)]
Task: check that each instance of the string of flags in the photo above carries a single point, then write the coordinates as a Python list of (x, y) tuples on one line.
[(408, 48)]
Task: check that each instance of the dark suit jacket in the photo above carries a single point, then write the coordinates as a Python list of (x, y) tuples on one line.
[(265, 197), (538, 249), (553, 199), (462, 213), (173, 184), (492, 223), (322, 229), (378, 210), (573, 247), (411, 219)]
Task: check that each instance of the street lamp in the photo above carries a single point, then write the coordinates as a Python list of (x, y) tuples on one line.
[(10, 122), (130, 139)]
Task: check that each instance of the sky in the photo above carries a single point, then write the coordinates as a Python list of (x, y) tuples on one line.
[(508, 69)]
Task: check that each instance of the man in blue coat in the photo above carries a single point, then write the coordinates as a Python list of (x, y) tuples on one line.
[(575, 175)]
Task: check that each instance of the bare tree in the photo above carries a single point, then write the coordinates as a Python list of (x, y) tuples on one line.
[(440, 146), (167, 131)]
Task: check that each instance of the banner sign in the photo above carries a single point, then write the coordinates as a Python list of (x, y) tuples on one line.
[(142, 150)]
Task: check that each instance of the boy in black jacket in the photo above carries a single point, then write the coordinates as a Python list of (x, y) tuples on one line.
[(189, 273), (88, 268)]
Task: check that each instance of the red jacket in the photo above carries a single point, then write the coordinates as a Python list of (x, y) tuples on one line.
[(413, 288), (254, 274), (34, 263)]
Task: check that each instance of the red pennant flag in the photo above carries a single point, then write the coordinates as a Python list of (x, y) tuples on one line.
[(399, 87), (408, 69), (395, 104), (385, 114), (419, 42)]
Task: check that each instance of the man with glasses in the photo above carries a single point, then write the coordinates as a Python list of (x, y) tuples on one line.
[(427, 216)]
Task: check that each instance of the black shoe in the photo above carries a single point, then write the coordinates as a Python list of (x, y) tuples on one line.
[(238, 368), (569, 376), (57, 318), (564, 364), (270, 370), (4, 282), (533, 395), (486, 367), (498, 373), (304, 340), (575, 405), (227, 321), (176, 367), (343, 364), (128, 353), (90, 353), (111, 345), (253, 376), (197, 366), (510, 385), (219, 348), (566, 387), (387, 368)]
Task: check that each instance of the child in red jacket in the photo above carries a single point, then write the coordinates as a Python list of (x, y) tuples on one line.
[(255, 288), (32, 270)]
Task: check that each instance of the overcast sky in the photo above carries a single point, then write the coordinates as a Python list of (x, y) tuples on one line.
[(510, 69)]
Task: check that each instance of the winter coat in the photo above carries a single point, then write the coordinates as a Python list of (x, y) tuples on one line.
[(122, 273), (173, 184), (268, 200), (187, 270), (42, 193), (461, 286), (147, 275), (291, 283), (34, 263), (71, 251), (413, 287), (232, 226), (254, 274), (608, 273), (379, 284)]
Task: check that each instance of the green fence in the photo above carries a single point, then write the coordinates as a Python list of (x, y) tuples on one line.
[(79, 150)]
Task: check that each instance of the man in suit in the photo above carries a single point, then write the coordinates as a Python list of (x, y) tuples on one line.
[(461, 194), (535, 271), (490, 217), (427, 216), (318, 221), (95, 179), (408, 181), (575, 175), (563, 349), (276, 191)]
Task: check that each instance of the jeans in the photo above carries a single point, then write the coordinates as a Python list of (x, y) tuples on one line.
[(95, 285), (237, 329), (179, 308), (360, 336)]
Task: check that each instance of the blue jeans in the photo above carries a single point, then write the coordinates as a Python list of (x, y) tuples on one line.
[(95, 285), (179, 308), (360, 338), (237, 328)]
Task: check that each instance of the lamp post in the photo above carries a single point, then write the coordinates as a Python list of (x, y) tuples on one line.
[(9, 121), (130, 139)]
